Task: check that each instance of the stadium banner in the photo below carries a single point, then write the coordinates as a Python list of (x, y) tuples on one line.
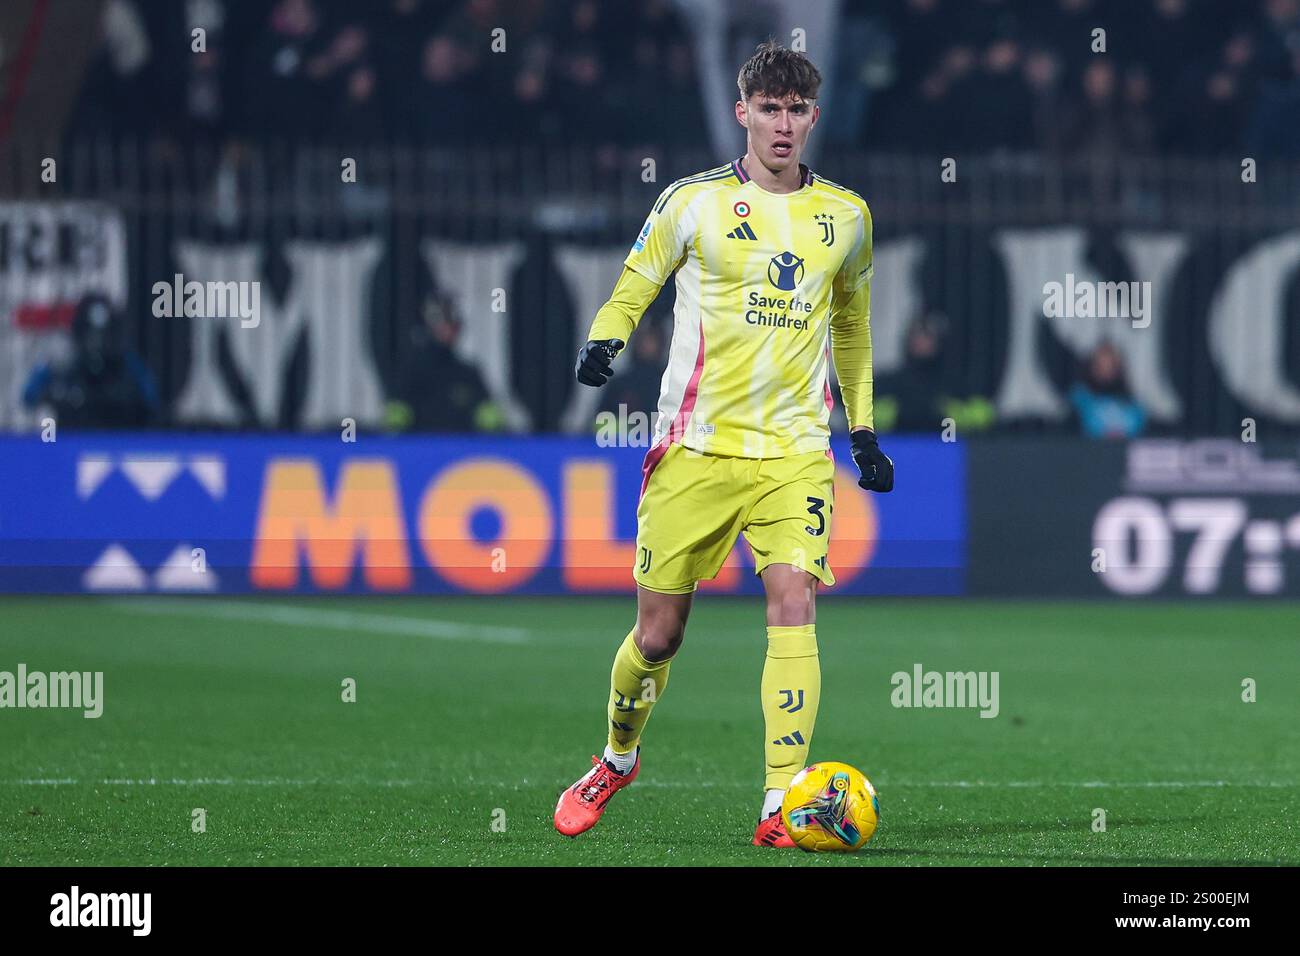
[(159, 513), (51, 254), (1025, 289), (1160, 518)]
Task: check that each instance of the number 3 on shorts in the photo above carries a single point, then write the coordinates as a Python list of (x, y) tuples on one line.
[(815, 508)]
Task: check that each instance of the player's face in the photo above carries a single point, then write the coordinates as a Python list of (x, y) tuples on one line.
[(778, 127)]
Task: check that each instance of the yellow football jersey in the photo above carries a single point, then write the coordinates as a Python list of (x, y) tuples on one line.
[(759, 276)]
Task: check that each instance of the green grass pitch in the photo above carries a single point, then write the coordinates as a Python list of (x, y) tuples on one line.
[(472, 710)]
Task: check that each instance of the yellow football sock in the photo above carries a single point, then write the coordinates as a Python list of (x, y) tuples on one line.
[(634, 686), (791, 689)]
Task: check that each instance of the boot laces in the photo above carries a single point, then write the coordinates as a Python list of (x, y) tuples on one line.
[(598, 784)]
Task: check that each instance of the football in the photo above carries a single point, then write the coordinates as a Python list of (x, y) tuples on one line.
[(830, 807)]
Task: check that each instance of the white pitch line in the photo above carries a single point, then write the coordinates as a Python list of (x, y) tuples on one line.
[(327, 618), (657, 784)]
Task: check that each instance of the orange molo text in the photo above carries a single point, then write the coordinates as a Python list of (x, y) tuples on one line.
[(594, 559), (527, 526), (854, 529), (296, 520), (302, 527)]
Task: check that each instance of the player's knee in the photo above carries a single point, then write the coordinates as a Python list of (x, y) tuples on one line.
[(659, 635), (791, 607)]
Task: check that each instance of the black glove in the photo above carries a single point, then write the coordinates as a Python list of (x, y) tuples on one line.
[(594, 361), (877, 470)]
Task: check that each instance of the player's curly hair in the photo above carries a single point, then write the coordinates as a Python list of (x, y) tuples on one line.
[(777, 71)]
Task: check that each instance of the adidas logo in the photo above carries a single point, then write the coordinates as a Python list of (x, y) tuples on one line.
[(790, 740), (742, 232)]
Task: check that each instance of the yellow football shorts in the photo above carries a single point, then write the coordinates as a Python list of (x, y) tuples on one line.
[(693, 505)]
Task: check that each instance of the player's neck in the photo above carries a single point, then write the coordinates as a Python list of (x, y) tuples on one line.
[(787, 180)]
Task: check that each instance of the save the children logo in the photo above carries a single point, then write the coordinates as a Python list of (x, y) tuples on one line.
[(785, 271)]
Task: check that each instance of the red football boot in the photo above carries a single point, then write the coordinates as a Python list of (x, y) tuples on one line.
[(581, 806), (771, 832)]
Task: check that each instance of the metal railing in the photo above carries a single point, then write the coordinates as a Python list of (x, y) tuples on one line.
[(129, 207)]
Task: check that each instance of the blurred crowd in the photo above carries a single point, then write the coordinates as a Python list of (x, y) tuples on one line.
[(425, 71), (1180, 77), (1192, 76), (104, 383), (922, 395), (1184, 76)]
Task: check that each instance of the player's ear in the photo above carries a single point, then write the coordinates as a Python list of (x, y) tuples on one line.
[(817, 111), (741, 115)]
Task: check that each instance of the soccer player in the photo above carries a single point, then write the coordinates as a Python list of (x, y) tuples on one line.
[(773, 271)]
